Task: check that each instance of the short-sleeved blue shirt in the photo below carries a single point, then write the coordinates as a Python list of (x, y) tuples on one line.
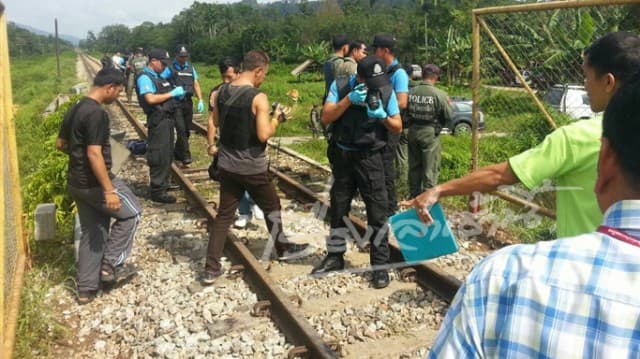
[(391, 109), (399, 79), (145, 85), (167, 71)]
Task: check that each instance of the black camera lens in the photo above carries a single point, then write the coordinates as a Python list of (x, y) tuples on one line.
[(373, 100)]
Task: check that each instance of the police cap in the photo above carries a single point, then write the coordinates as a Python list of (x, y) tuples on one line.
[(160, 54), (384, 41), (371, 69)]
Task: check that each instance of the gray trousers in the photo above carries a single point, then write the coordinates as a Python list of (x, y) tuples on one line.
[(424, 159), (98, 243)]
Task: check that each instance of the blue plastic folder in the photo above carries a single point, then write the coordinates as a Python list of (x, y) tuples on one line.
[(419, 241)]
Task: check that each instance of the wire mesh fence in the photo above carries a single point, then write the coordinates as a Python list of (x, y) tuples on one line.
[(528, 76)]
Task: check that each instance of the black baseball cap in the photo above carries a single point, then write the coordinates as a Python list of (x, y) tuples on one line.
[(371, 69), (384, 41), (181, 50), (160, 54)]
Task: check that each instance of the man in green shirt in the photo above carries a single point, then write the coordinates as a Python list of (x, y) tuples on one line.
[(568, 156), (428, 112)]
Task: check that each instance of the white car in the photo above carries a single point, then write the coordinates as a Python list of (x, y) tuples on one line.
[(569, 99)]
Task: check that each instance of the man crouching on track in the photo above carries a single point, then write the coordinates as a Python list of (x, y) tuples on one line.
[(361, 130), (157, 97), (99, 196), (242, 114)]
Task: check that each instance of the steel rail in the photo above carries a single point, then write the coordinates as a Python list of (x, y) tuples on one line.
[(292, 323), (427, 275)]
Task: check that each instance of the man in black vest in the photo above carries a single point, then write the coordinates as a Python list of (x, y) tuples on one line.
[(157, 97), (184, 74), (340, 44), (241, 112), (360, 130), (396, 152)]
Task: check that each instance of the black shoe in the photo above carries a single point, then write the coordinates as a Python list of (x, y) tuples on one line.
[(330, 263), (380, 278), (172, 186), (187, 161), (295, 251), (86, 296), (209, 277), (121, 273), (163, 198)]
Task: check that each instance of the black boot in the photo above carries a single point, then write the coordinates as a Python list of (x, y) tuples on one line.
[(163, 197), (331, 262), (380, 278)]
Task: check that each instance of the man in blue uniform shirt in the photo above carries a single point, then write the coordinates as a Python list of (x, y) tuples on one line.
[(182, 73), (360, 131), (157, 97), (396, 153)]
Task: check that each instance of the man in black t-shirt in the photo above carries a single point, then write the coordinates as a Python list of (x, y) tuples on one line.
[(99, 195)]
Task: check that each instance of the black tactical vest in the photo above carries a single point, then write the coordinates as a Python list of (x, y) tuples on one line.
[(354, 128), (183, 78), (238, 127), (162, 86)]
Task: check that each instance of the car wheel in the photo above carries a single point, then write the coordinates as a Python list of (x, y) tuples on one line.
[(462, 129)]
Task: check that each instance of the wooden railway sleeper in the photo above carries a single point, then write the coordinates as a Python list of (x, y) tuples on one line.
[(262, 308)]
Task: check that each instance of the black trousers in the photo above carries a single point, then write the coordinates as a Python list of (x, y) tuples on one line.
[(362, 171), (232, 188), (159, 151), (184, 119), (388, 159)]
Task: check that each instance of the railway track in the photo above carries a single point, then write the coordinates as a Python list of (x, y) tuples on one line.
[(337, 315)]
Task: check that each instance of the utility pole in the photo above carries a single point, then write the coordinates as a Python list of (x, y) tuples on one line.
[(57, 48), (426, 38)]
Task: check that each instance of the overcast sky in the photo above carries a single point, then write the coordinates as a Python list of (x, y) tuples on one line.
[(76, 17)]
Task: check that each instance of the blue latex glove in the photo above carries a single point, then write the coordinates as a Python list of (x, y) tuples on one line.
[(358, 94), (379, 113), (177, 92), (200, 106)]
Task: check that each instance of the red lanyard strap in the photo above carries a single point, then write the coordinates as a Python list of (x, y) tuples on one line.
[(619, 235)]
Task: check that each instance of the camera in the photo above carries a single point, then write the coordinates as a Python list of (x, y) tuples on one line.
[(372, 99), (283, 117)]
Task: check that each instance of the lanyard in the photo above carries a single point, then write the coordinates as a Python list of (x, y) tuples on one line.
[(619, 235)]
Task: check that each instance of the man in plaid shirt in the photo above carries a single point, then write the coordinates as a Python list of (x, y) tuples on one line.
[(571, 298)]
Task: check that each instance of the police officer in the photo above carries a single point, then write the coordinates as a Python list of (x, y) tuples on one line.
[(340, 47), (135, 66), (396, 151), (360, 134), (428, 112), (184, 74), (157, 97)]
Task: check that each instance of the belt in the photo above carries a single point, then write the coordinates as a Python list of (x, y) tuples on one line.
[(423, 122)]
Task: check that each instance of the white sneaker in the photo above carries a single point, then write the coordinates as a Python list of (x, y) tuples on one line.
[(257, 212), (242, 221)]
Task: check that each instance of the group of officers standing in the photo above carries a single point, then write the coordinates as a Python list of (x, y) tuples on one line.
[(376, 124), (368, 107)]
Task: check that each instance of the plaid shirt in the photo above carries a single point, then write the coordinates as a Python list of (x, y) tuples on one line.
[(571, 298)]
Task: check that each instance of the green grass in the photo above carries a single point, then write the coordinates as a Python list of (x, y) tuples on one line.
[(315, 149), (278, 83), (34, 86)]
